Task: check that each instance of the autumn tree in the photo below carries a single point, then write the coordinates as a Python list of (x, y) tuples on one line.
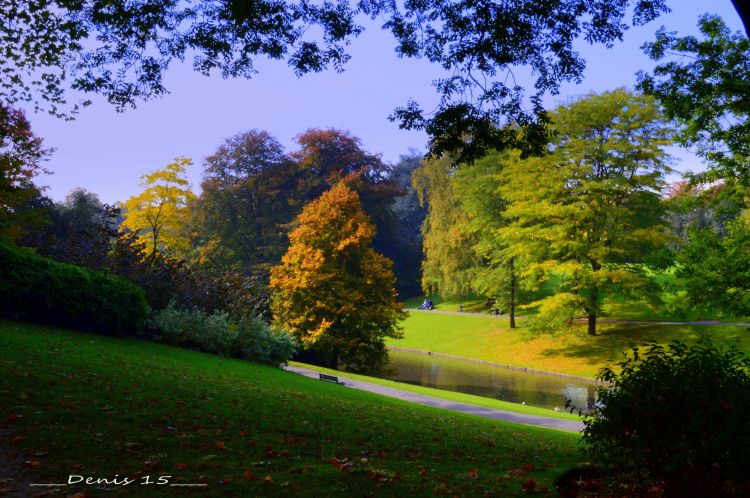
[(160, 215), (449, 264), (21, 157), (332, 290), (590, 212)]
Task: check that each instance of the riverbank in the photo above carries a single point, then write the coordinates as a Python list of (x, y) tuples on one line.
[(569, 351)]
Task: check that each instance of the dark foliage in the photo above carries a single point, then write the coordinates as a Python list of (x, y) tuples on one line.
[(21, 157), (42, 290), (704, 84), (674, 418), (123, 49)]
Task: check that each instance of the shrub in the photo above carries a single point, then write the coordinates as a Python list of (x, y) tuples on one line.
[(250, 338), (43, 290), (675, 418)]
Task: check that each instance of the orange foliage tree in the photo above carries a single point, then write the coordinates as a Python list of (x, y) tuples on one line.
[(332, 290)]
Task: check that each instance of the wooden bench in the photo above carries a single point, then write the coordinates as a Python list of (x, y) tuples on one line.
[(330, 378)]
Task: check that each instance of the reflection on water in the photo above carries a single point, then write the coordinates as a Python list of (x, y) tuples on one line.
[(489, 381)]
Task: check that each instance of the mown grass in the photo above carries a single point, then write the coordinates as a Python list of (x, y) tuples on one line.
[(76, 403), (450, 395), (568, 351)]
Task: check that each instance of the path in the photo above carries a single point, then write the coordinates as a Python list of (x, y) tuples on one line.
[(600, 320), (519, 418)]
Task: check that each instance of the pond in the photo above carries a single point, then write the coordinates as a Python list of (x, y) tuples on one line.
[(535, 389)]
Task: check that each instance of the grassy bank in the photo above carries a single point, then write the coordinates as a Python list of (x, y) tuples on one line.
[(567, 351), (96, 406), (450, 395)]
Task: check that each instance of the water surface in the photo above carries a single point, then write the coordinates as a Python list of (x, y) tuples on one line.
[(535, 389)]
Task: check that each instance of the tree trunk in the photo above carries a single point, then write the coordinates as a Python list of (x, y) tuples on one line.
[(592, 323), (512, 296)]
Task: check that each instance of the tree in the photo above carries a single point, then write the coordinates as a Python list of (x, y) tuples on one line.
[(705, 86), (122, 50), (331, 289), (247, 201), (449, 264), (714, 271), (21, 157), (590, 211), (478, 188), (160, 215), (408, 216)]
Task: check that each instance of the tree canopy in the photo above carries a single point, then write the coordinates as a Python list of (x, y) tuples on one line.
[(160, 215), (704, 84), (123, 49), (591, 209), (331, 289)]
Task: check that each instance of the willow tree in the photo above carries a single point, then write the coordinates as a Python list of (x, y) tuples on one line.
[(590, 211), (449, 263), (331, 289)]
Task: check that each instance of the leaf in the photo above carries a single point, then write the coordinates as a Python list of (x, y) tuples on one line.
[(220, 445), (249, 476)]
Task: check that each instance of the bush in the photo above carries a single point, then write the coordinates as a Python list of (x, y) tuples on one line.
[(42, 290), (250, 338), (675, 418)]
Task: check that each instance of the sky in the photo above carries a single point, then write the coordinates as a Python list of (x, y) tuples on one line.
[(106, 152)]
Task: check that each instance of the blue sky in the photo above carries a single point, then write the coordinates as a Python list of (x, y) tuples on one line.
[(106, 152)]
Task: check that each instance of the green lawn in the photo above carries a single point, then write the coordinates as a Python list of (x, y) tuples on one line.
[(451, 395), (76, 403), (568, 351)]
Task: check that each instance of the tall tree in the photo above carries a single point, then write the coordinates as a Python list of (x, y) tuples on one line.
[(332, 290), (478, 188), (21, 157), (590, 211), (704, 83), (406, 234), (247, 199), (449, 264), (160, 215)]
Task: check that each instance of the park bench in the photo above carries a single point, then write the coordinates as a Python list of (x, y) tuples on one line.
[(331, 378)]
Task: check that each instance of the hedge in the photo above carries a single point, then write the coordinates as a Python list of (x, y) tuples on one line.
[(42, 290)]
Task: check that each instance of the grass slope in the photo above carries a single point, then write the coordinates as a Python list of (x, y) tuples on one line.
[(569, 351), (76, 403)]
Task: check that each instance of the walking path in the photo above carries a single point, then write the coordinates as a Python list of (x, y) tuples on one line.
[(519, 418), (600, 320)]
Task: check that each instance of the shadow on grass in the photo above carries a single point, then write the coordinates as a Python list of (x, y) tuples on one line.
[(614, 340)]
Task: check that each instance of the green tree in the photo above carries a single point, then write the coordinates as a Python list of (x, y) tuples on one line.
[(246, 202), (590, 211), (449, 264), (478, 187), (714, 270), (332, 290), (705, 85), (160, 215)]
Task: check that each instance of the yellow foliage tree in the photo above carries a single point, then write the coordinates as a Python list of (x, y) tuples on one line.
[(160, 215), (331, 289)]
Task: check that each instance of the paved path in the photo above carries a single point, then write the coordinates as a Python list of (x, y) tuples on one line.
[(519, 418), (600, 320)]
